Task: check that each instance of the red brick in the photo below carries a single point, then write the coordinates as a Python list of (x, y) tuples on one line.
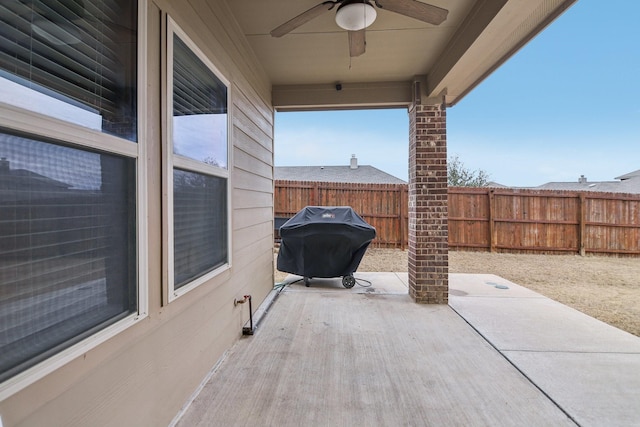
[(428, 206)]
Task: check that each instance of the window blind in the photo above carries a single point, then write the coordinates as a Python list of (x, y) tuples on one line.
[(82, 50), (196, 89)]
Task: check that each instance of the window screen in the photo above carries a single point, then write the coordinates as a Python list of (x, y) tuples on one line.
[(200, 224), (67, 247), (72, 59)]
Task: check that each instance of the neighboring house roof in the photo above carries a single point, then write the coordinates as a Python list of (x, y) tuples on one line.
[(629, 183), (493, 184), (354, 174), (35, 181), (634, 174), (24, 179)]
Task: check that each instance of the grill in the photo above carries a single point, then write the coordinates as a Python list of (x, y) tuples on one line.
[(324, 241)]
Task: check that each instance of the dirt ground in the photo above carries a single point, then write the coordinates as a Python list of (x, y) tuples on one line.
[(606, 288)]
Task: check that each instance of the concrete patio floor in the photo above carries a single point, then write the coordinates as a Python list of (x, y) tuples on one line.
[(497, 355)]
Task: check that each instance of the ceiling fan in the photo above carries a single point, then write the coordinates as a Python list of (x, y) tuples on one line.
[(356, 15)]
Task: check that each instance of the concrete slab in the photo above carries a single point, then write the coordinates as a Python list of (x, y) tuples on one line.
[(597, 389), (377, 283), (520, 319), (492, 286), (589, 368), (330, 356)]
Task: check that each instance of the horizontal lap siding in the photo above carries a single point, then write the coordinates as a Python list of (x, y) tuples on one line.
[(252, 175), (252, 195)]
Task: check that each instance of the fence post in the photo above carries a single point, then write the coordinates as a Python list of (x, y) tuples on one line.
[(581, 224), (314, 195), (492, 228), (401, 213)]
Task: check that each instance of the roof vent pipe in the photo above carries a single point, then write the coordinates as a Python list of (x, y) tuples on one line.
[(354, 162)]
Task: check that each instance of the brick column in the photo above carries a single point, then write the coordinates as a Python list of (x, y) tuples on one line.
[(428, 223)]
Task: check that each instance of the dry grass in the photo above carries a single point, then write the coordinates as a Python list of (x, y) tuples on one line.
[(603, 287)]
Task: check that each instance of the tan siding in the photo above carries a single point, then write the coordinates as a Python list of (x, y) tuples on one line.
[(247, 235), (258, 115), (243, 199), (247, 144), (244, 123), (129, 385), (245, 276), (247, 217), (247, 162), (250, 181), (246, 261)]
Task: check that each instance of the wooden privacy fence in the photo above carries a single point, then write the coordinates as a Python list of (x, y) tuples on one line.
[(508, 220), (497, 220), (384, 206)]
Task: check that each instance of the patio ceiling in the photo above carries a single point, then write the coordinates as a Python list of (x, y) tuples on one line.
[(448, 60)]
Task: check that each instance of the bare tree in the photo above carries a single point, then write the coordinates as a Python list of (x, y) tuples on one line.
[(460, 176)]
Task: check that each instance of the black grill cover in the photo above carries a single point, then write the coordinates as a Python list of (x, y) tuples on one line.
[(324, 241)]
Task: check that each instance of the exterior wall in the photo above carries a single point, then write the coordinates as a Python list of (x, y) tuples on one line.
[(145, 374), (428, 224)]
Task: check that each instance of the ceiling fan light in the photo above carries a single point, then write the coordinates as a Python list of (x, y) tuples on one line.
[(355, 16)]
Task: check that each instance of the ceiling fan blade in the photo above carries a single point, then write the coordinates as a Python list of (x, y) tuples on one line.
[(357, 43), (421, 11), (303, 18)]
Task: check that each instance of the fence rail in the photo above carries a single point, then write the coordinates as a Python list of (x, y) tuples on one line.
[(497, 220)]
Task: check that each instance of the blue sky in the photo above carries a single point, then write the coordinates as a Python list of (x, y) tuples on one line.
[(567, 104)]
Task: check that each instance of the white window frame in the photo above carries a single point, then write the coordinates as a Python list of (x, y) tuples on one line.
[(172, 161), (32, 123)]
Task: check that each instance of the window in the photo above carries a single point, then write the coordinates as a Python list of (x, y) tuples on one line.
[(67, 233), (69, 196), (198, 167)]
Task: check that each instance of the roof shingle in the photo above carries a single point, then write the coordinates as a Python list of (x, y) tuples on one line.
[(363, 174)]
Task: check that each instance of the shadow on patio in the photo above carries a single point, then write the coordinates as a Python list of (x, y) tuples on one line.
[(498, 354)]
